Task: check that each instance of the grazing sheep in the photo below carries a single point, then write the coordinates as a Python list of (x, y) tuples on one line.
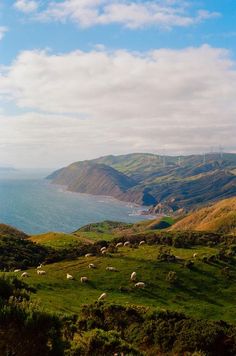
[(84, 279), (88, 255), (112, 269), (103, 249), (40, 266), (17, 270), (119, 244), (140, 285), (92, 265), (69, 276), (102, 296), (195, 255), (127, 243), (142, 243), (133, 276), (25, 274), (41, 272)]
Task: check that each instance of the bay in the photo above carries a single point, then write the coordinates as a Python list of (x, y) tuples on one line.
[(30, 203)]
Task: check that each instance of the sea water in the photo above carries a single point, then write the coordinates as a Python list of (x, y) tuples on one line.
[(31, 203)]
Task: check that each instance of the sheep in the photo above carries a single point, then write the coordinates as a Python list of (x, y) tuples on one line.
[(133, 276), (103, 249), (112, 269), (102, 296), (88, 255), (69, 276), (25, 274), (127, 243), (104, 252), (119, 244), (140, 285), (40, 266), (84, 279), (41, 272), (195, 255), (142, 243), (17, 270), (92, 265)]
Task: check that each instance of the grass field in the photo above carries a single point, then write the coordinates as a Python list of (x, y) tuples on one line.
[(202, 291)]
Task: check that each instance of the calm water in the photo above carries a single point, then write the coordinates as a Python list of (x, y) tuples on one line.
[(32, 204)]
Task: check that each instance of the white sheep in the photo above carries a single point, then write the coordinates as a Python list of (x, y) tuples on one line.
[(69, 276), (140, 285), (84, 279), (195, 255), (119, 244), (133, 276), (17, 270), (88, 255), (102, 296), (103, 249), (127, 243), (142, 243), (25, 274), (104, 252), (112, 269), (41, 272), (92, 265)]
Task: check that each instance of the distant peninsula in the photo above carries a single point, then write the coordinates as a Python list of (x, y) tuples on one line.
[(166, 183)]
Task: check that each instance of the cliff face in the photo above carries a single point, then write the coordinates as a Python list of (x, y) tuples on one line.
[(174, 182), (99, 179)]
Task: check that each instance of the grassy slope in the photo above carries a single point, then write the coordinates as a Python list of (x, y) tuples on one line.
[(59, 240), (219, 217), (196, 292)]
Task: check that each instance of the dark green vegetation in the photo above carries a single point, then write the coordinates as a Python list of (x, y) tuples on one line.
[(168, 183), (187, 305), (104, 329)]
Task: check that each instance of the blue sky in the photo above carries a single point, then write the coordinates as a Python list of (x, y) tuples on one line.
[(25, 33), (145, 55)]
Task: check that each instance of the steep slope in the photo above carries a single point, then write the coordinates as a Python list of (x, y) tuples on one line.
[(100, 179), (171, 183), (219, 217)]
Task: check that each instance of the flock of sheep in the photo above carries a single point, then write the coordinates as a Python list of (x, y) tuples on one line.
[(103, 250)]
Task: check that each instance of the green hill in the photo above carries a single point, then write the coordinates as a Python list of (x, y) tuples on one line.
[(9, 231), (172, 183), (179, 310)]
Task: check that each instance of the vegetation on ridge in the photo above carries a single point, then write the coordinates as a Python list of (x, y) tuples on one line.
[(171, 183)]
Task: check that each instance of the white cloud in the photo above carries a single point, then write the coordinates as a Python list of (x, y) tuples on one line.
[(129, 13), (26, 6), (85, 104), (3, 30)]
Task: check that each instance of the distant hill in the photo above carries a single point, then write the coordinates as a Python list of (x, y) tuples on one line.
[(100, 179), (219, 217), (170, 183), (7, 169), (9, 231)]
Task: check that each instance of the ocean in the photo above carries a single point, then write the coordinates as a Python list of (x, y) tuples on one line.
[(32, 204)]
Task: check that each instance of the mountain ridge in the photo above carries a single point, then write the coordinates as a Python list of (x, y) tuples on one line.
[(175, 182)]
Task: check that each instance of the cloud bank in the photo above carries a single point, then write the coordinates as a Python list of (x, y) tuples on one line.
[(84, 104), (128, 13)]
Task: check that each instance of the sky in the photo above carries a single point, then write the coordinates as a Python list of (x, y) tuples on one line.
[(86, 78)]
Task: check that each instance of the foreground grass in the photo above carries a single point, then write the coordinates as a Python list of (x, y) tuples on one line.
[(202, 291)]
